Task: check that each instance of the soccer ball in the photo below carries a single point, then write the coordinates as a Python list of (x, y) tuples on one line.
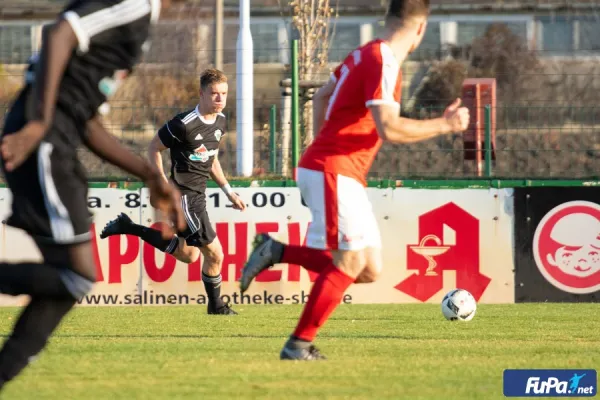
[(459, 304)]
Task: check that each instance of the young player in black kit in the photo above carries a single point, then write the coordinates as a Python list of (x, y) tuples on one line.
[(192, 138), (85, 53)]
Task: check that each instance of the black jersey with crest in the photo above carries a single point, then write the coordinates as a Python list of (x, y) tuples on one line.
[(111, 36), (193, 143)]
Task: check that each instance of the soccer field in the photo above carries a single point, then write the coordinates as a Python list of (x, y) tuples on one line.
[(375, 352)]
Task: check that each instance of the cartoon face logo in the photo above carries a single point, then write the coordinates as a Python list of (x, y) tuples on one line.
[(566, 247), (218, 135)]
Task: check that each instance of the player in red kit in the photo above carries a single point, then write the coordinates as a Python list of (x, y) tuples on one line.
[(354, 113)]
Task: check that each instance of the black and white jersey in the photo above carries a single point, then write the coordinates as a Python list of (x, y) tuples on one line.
[(193, 143), (112, 35)]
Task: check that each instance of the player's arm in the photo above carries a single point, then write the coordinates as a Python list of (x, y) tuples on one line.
[(163, 196), (58, 42), (396, 129), (217, 175), (155, 148), (382, 79), (170, 134), (107, 147), (320, 103)]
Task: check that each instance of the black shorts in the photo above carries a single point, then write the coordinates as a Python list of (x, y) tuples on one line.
[(49, 190), (199, 232)]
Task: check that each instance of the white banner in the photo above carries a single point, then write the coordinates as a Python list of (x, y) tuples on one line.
[(433, 241)]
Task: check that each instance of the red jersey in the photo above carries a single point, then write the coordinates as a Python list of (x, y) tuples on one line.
[(348, 141)]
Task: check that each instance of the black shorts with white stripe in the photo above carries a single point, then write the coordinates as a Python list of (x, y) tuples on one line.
[(49, 190), (199, 232)]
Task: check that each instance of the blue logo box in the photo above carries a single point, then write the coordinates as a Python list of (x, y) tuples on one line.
[(550, 383)]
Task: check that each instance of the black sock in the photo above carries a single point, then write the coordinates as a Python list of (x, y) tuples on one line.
[(35, 279), (212, 284), (154, 238), (30, 334)]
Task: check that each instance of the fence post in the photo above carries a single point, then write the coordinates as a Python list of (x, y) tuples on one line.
[(272, 139), (219, 34), (488, 141), (295, 115), (245, 93)]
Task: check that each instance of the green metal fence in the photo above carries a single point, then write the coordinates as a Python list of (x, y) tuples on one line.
[(527, 146), (531, 141)]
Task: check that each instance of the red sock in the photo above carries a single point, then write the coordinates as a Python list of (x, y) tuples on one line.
[(311, 259), (324, 297)]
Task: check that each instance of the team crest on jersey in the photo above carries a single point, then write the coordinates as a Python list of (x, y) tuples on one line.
[(202, 154), (218, 134)]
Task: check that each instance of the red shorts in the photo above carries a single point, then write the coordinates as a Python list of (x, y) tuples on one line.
[(342, 215)]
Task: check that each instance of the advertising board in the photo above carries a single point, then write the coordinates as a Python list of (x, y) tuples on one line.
[(433, 241)]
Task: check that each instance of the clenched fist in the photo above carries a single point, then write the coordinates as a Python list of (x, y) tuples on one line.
[(457, 116)]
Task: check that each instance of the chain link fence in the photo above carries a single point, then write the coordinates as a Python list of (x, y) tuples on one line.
[(547, 111)]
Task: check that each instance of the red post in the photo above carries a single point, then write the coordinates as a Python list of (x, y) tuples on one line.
[(478, 93)]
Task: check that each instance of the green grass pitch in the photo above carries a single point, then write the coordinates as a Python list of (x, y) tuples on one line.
[(374, 351)]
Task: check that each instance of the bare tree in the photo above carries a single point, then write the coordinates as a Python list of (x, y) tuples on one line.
[(498, 53), (11, 81), (312, 22)]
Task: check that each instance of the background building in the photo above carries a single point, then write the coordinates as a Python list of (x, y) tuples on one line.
[(544, 56)]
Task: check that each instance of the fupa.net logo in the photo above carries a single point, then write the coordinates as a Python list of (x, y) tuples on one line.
[(550, 383)]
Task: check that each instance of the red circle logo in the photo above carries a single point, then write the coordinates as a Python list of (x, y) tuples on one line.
[(566, 247)]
